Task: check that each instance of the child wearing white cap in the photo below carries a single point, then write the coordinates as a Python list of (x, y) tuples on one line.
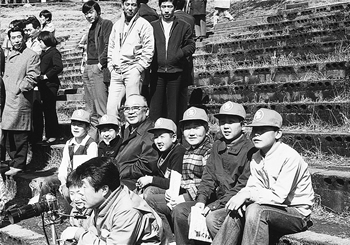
[(108, 126), (195, 127), (171, 153), (76, 151), (278, 196), (225, 174)]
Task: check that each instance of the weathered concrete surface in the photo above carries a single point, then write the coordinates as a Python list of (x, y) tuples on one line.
[(16, 234)]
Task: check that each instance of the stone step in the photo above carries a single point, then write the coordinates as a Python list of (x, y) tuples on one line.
[(297, 50), (266, 42), (293, 91)]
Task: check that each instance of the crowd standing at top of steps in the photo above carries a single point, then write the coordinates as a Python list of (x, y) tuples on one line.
[(153, 178)]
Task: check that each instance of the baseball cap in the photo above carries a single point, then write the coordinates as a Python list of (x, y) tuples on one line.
[(231, 109), (108, 120), (266, 117), (164, 123), (194, 113), (81, 115)]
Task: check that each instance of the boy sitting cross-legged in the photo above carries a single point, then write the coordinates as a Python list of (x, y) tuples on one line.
[(225, 174), (170, 158), (278, 195)]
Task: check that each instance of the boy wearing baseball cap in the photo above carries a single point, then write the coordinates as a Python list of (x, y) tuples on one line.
[(170, 158), (194, 126), (225, 174), (77, 150), (278, 195), (108, 126)]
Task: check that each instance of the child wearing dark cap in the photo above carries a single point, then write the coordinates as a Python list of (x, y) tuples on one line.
[(170, 158), (278, 196), (109, 134)]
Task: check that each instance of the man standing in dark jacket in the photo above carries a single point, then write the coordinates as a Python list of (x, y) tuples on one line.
[(173, 44), (96, 76), (225, 174)]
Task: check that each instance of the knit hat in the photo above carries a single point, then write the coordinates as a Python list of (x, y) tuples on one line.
[(266, 117), (107, 120), (194, 114), (231, 109), (165, 124), (81, 115)]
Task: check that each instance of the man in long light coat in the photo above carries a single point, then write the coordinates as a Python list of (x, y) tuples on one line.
[(22, 67)]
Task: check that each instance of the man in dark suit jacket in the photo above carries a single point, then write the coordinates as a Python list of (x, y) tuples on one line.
[(136, 156), (96, 76), (187, 75)]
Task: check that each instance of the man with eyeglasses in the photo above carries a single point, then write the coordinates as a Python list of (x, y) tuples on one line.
[(130, 52), (136, 157)]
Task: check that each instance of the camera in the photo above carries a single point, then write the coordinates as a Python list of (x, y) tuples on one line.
[(50, 204)]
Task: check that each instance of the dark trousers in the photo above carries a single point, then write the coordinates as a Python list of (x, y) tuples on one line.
[(49, 96), (16, 144), (165, 100)]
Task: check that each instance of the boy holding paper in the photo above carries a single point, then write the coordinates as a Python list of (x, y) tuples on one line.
[(195, 127), (278, 196), (169, 164)]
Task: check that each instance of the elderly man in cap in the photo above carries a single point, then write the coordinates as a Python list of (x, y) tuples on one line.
[(109, 134), (226, 173), (136, 156)]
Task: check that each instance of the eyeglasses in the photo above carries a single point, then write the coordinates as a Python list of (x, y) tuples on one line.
[(136, 108)]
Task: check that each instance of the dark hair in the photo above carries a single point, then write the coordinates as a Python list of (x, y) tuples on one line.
[(34, 21), (48, 38), (91, 5), (100, 171), (47, 14), (180, 4), (18, 23), (72, 180), (15, 29), (143, 1), (173, 1), (138, 2)]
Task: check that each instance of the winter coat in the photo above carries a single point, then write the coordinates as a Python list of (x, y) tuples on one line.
[(136, 157), (21, 72), (180, 46), (102, 32), (135, 48), (124, 218), (227, 171), (51, 65)]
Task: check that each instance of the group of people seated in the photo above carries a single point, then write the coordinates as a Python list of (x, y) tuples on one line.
[(141, 182)]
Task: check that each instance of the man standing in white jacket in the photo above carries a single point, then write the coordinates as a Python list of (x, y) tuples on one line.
[(130, 52)]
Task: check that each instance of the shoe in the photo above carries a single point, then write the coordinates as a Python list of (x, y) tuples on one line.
[(13, 171), (51, 141)]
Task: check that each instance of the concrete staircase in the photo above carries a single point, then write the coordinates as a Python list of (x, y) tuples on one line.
[(294, 60)]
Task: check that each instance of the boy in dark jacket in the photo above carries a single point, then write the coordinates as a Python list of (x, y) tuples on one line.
[(226, 172), (110, 139), (173, 44), (170, 158)]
